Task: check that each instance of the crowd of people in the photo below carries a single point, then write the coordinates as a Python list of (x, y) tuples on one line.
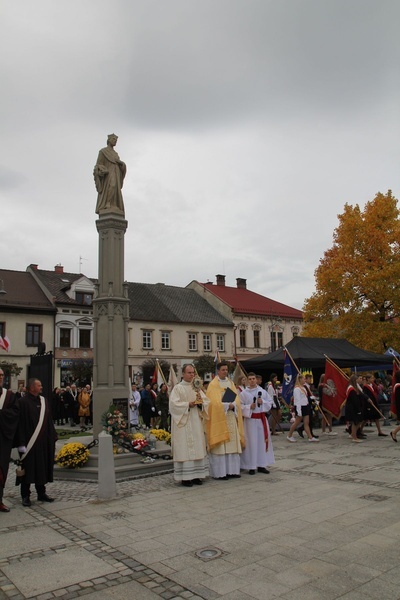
[(232, 426), (148, 407), (218, 429), (72, 406), (361, 407)]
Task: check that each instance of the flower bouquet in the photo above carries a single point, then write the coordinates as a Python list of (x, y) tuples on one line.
[(113, 421), (73, 455), (131, 441)]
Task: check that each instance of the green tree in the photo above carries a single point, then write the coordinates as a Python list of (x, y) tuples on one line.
[(357, 294), (10, 369), (204, 364), (149, 365), (82, 372)]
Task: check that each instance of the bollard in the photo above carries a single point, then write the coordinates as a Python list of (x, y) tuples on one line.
[(107, 488)]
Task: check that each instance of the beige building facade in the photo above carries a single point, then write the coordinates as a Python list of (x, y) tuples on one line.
[(27, 318)]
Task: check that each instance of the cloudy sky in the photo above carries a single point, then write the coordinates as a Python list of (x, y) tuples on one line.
[(246, 125)]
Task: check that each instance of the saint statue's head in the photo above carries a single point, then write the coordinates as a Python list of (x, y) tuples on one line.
[(112, 139)]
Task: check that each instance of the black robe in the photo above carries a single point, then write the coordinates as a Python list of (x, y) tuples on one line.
[(39, 462), (370, 412), (8, 427)]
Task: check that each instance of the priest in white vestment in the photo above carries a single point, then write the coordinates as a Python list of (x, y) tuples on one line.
[(225, 433), (188, 407), (259, 453)]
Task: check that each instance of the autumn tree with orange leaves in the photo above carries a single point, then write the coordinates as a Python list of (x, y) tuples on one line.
[(357, 293)]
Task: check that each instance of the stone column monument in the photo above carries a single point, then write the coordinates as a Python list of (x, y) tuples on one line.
[(111, 303)]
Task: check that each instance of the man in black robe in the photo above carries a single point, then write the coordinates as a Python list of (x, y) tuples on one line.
[(8, 426), (37, 460)]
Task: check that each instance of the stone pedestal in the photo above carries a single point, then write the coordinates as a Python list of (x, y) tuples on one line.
[(111, 318), (107, 488)]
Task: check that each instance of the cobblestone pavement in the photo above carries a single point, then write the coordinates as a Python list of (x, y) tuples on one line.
[(323, 525)]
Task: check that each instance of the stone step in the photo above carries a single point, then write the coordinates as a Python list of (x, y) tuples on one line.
[(127, 465), (122, 472)]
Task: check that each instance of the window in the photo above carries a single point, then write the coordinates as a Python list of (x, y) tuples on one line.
[(242, 338), (147, 340), (256, 338), (2, 329), (84, 298), (165, 340), (84, 338), (192, 342), (206, 342), (220, 342), (276, 340), (65, 338), (273, 341), (33, 334)]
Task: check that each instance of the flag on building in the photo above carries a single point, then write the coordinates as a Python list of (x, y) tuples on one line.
[(5, 343), (172, 379), (396, 367), (335, 385), (290, 371)]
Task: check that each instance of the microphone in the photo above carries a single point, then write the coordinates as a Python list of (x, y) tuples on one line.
[(259, 398)]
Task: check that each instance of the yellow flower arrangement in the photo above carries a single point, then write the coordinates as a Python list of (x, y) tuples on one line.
[(73, 455), (161, 434)]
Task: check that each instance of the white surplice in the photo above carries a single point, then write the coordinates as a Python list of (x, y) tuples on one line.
[(255, 454)]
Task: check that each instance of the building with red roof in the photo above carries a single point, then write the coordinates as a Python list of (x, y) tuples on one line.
[(261, 324)]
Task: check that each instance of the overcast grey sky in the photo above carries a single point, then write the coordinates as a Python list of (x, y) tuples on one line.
[(246, 125)]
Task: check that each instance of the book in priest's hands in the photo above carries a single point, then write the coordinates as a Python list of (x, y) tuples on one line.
[(229, 396)]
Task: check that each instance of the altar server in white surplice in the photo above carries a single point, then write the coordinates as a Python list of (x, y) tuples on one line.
[(188, 407), (258, 453)]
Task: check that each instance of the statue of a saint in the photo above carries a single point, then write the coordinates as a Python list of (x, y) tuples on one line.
[(109, 173)]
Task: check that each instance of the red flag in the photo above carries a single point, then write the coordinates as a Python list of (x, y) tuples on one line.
[(154, 378), (5, 343), (335, 386), (392, 402)]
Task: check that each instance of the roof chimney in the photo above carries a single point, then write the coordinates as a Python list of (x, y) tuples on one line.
[(241, 283), (59, 269), (33, 267), (220, 279)]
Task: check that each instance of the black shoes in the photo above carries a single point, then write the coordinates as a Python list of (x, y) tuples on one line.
[(45, 498), (187, 483), (263, 470), (221, 478), (252, 472), (233, 476), (26, 501), (301, 432), (197, 481)]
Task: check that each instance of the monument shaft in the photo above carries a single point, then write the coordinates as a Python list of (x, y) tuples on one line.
[(111, 318)]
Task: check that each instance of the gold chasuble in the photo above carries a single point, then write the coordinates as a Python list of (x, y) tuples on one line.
[(216, 425)]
